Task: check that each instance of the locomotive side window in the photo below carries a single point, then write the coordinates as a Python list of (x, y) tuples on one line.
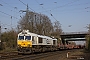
[(47, 41), (27, 37), (21, 38), (32, 38), (40, 40), (53, 41)]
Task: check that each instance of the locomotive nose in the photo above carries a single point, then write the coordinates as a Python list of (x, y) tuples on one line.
[(24, 44)]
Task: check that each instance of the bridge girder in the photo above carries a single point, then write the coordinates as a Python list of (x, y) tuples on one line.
[(68, 36)]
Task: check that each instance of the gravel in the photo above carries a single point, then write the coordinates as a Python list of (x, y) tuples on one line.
[(76, 54)]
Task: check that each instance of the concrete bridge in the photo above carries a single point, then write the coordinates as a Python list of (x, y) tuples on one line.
[(73, 36)]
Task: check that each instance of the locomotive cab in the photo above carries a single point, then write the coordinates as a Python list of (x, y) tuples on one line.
[(24, 41)]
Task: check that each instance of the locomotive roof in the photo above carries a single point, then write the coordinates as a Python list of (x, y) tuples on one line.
[(44, 37), (33, 34), (54, 39), (27, 32)]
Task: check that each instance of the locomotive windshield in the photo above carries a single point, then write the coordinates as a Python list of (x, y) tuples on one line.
[(27, 37), (21, 38)]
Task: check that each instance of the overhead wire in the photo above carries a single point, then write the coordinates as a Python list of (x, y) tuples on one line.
[(10, 10), (8, 15), (46, 10), (14, 8), (65, 5), (26, 5), (70, 4), (34, 11), (43, 7), (10, 6), (7, 3), (57, 7)]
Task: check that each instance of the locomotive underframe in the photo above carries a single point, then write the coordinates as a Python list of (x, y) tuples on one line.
[(37, 48)]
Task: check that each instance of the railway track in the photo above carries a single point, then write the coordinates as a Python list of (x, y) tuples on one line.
[(6, 55), (15, 56), (36, 56)]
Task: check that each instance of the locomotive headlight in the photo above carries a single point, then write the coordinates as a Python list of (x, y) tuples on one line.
[(19, 45)]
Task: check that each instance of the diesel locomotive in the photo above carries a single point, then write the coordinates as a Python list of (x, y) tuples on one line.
[(28, 42)]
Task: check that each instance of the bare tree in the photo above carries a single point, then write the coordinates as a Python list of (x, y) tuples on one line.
[(57, 28), (37, 23)]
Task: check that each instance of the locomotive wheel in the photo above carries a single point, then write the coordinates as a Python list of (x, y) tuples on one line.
[(30, 51)]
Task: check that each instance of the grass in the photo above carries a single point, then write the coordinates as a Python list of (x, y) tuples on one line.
[(8, 50)]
